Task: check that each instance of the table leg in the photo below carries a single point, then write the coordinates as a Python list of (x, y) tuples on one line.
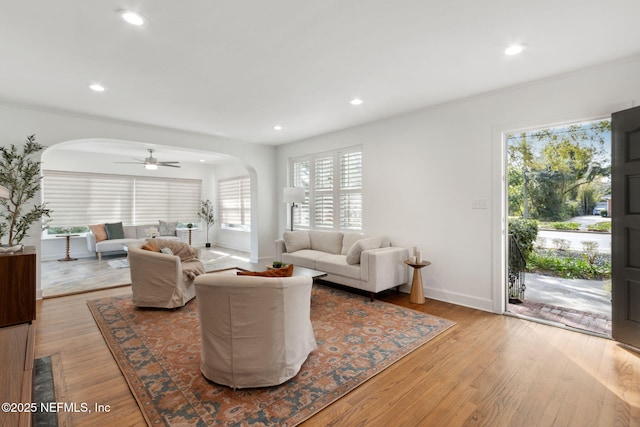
[(68, 257), (417, 293)]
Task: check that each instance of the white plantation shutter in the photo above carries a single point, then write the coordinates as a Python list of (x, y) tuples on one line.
[(301, 171), (333, 185), (234, 202), (85, 198), (351, 190), (323, 192)]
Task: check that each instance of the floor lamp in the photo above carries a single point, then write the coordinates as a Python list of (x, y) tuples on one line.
[(293, 195)]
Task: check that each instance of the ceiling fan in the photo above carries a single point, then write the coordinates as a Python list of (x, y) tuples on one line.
[(152, 163)]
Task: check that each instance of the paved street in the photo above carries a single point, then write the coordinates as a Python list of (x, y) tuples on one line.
[(576, 237)]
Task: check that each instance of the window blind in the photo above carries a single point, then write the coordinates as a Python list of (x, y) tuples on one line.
[(78, 198), (234, 202), (167, 200)]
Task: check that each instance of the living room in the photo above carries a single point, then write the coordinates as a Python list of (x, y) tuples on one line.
[(432, 171)]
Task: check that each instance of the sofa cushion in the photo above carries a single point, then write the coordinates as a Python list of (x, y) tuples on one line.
[(99, 231), (350, 239), (114, 245), (129, 231), (296, 240), (167, 228), (326, 241), (303, 258), (274, 272), (114, 230), (353, 255), (337, 264)]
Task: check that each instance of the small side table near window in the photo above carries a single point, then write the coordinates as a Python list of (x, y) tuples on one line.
[(68, 247), (417, 292)]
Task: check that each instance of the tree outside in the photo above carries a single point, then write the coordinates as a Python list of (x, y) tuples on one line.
[(557, 173)]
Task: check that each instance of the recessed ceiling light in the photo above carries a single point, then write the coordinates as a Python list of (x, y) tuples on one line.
[(514, 49), (277, 127), (132, 18), (96, 87), (202, 160), (356, 101)]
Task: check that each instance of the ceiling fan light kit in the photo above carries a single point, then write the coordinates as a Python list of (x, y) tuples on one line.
[(151, 163)]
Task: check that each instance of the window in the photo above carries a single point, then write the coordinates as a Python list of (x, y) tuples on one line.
[(84, 198), (234, 203), (333, 185)]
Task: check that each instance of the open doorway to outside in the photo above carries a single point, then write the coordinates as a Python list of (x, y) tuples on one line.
[(559, 222)]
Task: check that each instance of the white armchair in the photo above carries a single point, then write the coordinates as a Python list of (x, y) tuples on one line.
[(161, 280), (255, 331)]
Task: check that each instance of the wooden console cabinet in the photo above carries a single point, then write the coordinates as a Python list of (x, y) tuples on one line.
[(18, 287)]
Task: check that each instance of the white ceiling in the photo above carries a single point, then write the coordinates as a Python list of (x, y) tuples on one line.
[(236, 68)]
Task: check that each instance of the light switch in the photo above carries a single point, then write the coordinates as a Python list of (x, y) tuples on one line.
[(479, 204)]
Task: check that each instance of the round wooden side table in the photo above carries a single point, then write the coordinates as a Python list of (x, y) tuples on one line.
[(417, 293)]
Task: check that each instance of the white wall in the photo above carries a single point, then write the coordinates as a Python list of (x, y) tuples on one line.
[(422, 170), (51, 128)]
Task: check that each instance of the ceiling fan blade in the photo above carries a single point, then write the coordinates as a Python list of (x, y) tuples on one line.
[(170, 166), (134, 163)]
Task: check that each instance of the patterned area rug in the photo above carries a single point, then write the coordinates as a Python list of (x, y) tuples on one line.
[(159, 353)]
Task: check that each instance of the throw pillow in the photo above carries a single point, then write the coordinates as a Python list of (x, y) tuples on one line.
[(99, 231), (114, 231), (350, 239), (296, 240), (167, 228), (166, 251), (150, 246), (274, 272), (326, 241), (353, 255)]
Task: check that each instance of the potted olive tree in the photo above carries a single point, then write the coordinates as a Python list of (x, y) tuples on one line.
[(206, 213), (20, 174)]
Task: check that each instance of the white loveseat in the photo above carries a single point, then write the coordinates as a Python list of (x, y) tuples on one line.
[(132, 234), (368, 263)]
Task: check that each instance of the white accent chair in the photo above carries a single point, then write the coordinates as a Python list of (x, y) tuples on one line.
[(160, 280), (255, 331)]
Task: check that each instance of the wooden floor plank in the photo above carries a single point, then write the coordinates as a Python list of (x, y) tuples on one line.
[(487, 370)]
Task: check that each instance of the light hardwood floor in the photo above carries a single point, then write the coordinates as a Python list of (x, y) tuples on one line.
[(488, 370)]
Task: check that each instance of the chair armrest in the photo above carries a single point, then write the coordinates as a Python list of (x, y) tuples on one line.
[(91, 242), (280, 249), (384, 268)]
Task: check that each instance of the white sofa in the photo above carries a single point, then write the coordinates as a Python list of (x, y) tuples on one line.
[(368, 263), (132, 234)]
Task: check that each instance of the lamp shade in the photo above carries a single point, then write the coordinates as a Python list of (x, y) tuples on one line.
[(4, 193), (293, 195)]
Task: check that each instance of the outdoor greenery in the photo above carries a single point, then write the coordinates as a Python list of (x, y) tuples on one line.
[(600, 226), (570, 264), (525, 232), (557, 173), (559, 260)]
